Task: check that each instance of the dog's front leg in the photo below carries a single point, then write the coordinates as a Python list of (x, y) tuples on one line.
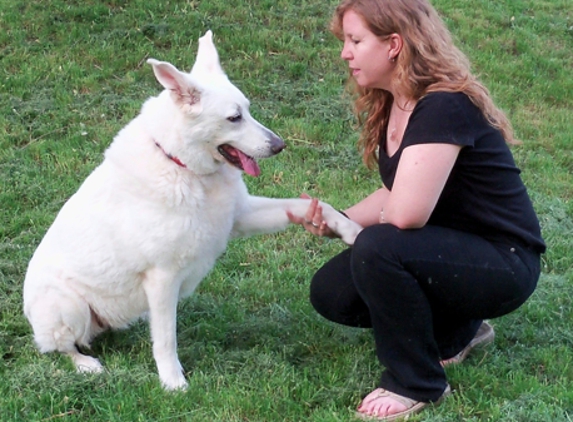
[(162, 291), (266, 215)]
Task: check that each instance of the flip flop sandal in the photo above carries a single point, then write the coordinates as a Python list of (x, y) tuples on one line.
[(484, 336), (412, 406)]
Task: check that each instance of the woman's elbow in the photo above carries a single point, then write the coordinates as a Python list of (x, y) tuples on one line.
[(404, 222)]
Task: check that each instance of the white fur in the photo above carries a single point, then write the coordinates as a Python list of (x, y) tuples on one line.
[(142, 232)]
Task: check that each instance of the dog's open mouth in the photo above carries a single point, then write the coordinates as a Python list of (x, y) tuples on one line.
[(239, 159)]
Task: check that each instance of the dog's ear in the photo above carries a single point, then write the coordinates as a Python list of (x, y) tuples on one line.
[(182, 90), (207, 61)]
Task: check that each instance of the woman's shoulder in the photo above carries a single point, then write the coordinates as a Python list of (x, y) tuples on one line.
[(443, 98), (444, 105), (445, 117)]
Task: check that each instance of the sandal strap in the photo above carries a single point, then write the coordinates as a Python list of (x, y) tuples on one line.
[(406, 401)]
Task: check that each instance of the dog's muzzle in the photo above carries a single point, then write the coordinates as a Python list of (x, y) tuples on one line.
[(277, 144)]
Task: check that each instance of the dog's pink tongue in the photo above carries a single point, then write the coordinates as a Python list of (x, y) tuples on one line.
[(249, 164)]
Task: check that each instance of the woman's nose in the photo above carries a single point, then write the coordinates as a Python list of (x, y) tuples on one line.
[(345, 53)]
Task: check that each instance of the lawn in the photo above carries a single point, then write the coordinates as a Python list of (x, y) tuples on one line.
[(74, 73)]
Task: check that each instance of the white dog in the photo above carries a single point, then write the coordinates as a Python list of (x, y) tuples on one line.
[(148, 224)]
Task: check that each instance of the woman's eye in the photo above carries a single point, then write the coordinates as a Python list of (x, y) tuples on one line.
[(236, 118)]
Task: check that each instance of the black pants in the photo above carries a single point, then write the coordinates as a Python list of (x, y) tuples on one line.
[(424, 293)]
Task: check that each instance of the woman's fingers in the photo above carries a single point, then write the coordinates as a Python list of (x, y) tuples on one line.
[(311, 211), (317, 220), (294, 219), (312, 221)]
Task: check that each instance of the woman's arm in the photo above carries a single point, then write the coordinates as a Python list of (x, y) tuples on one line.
[(367, 212), (420, 178)]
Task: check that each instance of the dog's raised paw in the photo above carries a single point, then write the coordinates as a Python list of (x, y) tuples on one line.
[(348, 234)]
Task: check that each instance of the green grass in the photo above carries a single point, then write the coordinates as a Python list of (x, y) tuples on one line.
[(73, 73)]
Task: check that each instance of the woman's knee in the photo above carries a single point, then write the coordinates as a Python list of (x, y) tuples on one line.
[(325, 284), (375, 242), (334, 296), (320, 294), (377, 258)]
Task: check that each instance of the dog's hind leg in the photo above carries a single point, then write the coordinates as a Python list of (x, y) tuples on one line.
[(85, 363), (61, 320)]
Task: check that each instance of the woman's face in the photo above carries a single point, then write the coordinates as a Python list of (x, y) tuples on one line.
[(367, 55)]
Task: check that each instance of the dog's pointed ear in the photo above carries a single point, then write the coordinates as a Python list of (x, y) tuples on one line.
[(182, 90), (207, 60)]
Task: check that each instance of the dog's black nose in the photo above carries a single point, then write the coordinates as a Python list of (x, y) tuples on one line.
[(277, 144)]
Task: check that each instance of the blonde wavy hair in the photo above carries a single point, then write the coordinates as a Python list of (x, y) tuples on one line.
[(428, 62)]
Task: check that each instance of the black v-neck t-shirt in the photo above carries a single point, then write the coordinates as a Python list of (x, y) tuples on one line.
[(484, 193)]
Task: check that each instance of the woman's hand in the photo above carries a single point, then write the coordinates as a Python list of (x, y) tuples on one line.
[(313, 221)]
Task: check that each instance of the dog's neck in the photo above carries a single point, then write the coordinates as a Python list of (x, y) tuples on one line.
[(171, 157)]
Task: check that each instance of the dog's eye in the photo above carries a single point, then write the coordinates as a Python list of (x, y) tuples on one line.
[(236, 118)]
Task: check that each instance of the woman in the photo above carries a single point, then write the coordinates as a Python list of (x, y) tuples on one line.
[(451, 238)]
